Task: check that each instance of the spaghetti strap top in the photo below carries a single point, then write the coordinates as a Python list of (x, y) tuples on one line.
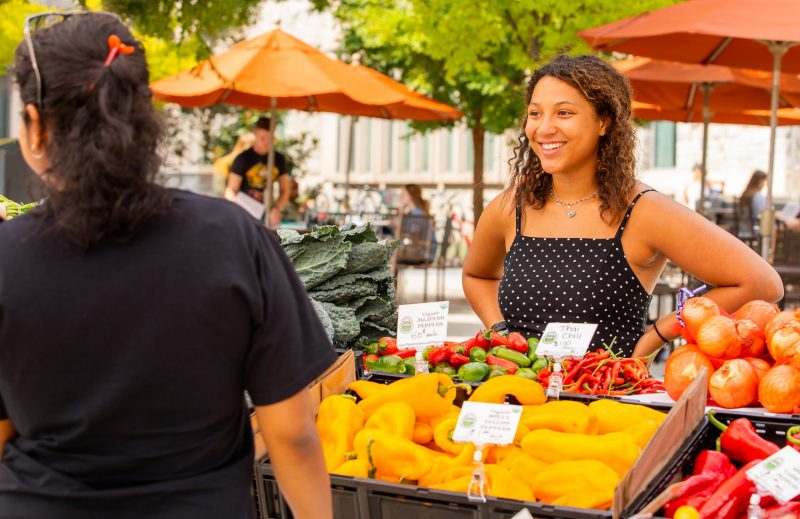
[(574, 280)]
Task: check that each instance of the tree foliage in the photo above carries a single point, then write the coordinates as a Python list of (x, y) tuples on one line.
[(12, 18), (475, 55)]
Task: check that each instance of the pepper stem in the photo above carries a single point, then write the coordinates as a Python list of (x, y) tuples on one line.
[(444, 389), (372, 468), (790, 435), (719, 425)]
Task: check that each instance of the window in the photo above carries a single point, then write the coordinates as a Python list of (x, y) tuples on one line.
[(470, 152), (425, 146), (664, 147), (407, 147), (390, 149), (451, 150), (489, 162)]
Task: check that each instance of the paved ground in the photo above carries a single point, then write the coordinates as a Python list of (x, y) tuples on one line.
[(462, 322)]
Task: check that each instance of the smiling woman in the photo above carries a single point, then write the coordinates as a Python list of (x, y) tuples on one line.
[(575, 237)]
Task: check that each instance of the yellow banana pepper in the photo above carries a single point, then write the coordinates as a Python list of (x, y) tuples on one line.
[(425, 393), (502, 483), (503, 455), (393, 417), (356, 468), (618, 450), (443, 463), (443, 436), (561, 415), (366, 388), (567, 477), (454, 412), (338, 421), (589, 499), (614, 416), (642, 432), (495, 390), (423, 433), (390, 455), (455, 485), (526, 468)]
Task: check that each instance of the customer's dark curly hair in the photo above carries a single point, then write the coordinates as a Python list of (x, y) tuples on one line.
[(101, 127), (610, 94)]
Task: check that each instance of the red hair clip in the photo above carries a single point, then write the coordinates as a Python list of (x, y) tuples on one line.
[(115, 47)]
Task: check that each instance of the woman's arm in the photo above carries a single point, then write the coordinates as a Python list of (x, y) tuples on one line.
[(483, 267), (295, 451), (707, 252), (6, 433)]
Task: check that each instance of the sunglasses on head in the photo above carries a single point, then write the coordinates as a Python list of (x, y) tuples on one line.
[(45, 20)]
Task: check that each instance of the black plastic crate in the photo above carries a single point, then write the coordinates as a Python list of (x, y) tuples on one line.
[(769, 426)]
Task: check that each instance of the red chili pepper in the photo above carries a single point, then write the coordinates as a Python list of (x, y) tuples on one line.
[(793, 437), (404, 354), (387, 346), (369, 360), (790, 510), (741, 442), (483, 341), (516, 342), (732, 496), (695, 484), (714, 463), (439, 355), (498, 340), (469, 344), (500, 363), (615, 367), (457, 359), (455, 347)]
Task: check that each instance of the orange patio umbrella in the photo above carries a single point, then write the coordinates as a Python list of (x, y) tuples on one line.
[(278, 71), (737, 33), (688, 92), (654, 112)]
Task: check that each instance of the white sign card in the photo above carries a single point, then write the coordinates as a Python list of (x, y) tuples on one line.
[(487, 424), (779, 475), (422, 324), (250, 204), (562, 340)]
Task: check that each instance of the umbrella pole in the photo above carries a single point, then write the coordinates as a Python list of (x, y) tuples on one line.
[(270, 160), (767, 218), (348, 163), (703, 172)]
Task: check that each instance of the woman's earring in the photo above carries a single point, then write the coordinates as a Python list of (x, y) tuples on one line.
[(35, 154)]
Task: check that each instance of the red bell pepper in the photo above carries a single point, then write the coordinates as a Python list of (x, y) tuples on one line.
[(457, 360), (404, 354), (439, 355), (732, 496), (714, 463), (793, 437), (387, 346), (515, 341), (468, 345), (741, 442), (482, 340), (455, 347), (500, 340)]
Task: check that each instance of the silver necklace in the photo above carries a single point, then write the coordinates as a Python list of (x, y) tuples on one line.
[(570, 205)]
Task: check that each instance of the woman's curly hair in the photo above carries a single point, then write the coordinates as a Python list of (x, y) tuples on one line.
[(610, 94), (102, 130)]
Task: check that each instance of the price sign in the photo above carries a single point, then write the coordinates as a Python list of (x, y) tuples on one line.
[(422, 324), (779, 475), (562, 340), (487, 424)]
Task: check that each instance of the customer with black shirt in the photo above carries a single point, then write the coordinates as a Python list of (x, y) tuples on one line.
[(133, 318), (248, 172)]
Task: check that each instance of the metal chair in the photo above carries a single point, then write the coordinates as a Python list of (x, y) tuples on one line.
[(416, 249), (786, 261)]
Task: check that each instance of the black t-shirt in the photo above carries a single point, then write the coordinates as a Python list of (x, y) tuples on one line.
[(252, 168), (123, 369)]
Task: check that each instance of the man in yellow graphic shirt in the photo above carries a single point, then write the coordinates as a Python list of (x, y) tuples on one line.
[(248, 172)]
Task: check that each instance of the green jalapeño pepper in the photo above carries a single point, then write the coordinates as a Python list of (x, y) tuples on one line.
[(496, 372), (447, 369), (477, 355), (389, 364), (514, 356), (411, 365), (527, 373), (533, 343), (371, 348), (473, 371), (538, 364)]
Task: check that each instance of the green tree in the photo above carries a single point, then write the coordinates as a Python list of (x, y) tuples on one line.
[(12, 18), (475, 55)]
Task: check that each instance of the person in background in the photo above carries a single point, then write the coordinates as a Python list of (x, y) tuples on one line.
[(133, 317), (753, 200), (248, 172), (222, 166), (576, 238), (412, 204), (294, 210), (692, 190)]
